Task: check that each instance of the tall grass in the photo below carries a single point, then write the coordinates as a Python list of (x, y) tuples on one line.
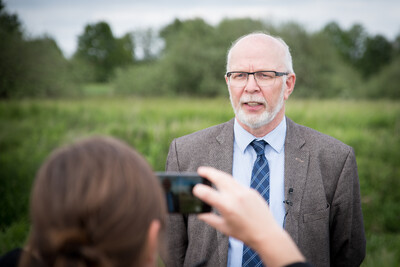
[(30, 129)]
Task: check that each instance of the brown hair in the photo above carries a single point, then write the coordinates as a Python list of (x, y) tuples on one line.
[(92, 204)]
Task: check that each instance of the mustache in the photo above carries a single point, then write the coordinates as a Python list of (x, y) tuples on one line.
[(250, 98)]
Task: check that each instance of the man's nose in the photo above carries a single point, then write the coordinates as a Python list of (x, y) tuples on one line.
[(252, 85)]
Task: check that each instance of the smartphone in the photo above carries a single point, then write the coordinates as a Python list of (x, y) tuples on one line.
[(178, 188)]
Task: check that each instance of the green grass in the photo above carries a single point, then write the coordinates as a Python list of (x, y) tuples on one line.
[(97, 89), (30, 129)]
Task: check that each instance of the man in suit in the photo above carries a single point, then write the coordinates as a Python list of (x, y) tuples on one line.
[(313, 182)]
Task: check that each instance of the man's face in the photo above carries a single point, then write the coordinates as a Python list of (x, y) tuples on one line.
[(257, 106)]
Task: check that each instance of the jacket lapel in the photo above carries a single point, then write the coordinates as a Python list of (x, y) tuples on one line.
[(296, 166)]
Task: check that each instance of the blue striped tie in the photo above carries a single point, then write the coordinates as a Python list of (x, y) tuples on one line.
[(260, 182)]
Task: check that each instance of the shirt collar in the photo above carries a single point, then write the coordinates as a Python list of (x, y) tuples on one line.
[(275, 138)]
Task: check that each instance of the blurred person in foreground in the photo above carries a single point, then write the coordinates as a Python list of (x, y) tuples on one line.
[(98, 203), (309, 179)]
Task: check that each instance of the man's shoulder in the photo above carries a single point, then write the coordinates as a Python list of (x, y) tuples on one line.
[(315, 139), (208, 133)]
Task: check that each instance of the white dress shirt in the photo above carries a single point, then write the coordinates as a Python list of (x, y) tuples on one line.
[(244, 157)]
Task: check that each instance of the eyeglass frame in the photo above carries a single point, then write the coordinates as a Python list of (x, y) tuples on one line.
[(277, 74)]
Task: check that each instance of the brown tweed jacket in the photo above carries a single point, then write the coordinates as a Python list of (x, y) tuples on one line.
[(325, 219)]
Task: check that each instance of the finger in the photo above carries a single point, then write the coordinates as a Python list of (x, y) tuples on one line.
[(208, 195), (221, 179)]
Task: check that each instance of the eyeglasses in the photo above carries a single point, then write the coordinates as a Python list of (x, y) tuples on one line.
[(265, 78)]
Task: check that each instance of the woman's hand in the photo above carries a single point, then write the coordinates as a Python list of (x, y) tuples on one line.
[(245, 216)]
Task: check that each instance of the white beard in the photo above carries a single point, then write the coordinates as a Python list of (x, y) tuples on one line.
[(255, 121)]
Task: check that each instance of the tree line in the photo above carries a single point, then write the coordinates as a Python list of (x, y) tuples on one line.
[(188, 57)]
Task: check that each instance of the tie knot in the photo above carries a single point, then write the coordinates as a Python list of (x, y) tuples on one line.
[(259, 146)]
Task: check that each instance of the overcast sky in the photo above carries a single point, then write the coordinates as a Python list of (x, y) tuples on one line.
[(64, 20)]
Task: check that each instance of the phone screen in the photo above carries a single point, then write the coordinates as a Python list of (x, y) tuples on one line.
[(178, 192)]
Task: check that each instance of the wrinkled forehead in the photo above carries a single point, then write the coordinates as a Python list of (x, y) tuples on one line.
[(256, 52)]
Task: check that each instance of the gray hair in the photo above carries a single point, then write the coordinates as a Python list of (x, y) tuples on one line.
[(288, 57)]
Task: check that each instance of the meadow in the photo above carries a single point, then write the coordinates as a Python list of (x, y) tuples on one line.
[(30, 129)]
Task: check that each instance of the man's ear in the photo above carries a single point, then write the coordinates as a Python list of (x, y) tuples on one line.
[(151, 250), (290, 82)]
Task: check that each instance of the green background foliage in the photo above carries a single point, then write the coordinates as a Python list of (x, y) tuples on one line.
[(148, 87), (187, 58), (98, 48), (31, 129)]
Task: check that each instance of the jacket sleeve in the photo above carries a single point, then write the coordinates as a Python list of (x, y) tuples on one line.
[(176, 230), (347, 236)]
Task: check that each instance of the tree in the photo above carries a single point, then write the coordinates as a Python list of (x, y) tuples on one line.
[(378, 53), (368, 54), (386, 83), (320, 72), (148, 45), (229, 30), (48, 73), (192, 62), (11, 43), (98, 47), (351, 43), (29, 68), (9, 22), (396, 45)]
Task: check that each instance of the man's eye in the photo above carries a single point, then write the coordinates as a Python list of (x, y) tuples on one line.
[(264, 75), (239, 75)]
